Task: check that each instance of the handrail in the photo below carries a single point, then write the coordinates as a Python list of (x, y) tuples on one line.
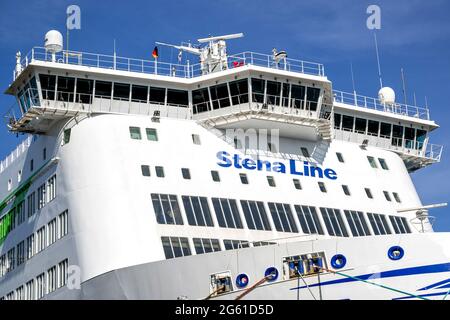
[(376, 104)]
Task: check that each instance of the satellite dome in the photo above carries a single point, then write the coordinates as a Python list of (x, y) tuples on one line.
[(386, 95), (53, 41)]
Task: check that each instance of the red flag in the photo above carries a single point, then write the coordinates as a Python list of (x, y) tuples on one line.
[(155, 53)]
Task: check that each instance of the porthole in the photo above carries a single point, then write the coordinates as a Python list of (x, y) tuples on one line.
[(271, 274), (338, 261), (242, 280), (396, 253)]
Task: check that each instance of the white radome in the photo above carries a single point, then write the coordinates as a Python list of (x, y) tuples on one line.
[(53, 41), (386, 95)]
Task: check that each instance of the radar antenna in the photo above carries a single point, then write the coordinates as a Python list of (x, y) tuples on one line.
[(213, 56), (422, 213)]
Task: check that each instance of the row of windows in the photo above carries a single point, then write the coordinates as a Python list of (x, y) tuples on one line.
[(44, 283), (167, 211), (175, 247), (45, 236), (44, 194)]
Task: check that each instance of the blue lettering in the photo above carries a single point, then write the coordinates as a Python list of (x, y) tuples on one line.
[(279, 167), (293, 168), (330, 174), (263, 162), (237, 159), (248, 164), (222, 156), (313, 171)]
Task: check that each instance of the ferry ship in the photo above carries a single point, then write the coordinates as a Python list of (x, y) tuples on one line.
[(238, 176)]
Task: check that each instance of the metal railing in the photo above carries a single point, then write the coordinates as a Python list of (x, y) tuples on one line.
[(166, 68), (376, 104), (20, 149)]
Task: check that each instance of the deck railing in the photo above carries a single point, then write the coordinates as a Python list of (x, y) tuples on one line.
[(376, 104)]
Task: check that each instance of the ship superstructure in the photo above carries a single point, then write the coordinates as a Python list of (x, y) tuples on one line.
[(148, 179)]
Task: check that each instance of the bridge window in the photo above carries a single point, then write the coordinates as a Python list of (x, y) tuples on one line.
[(255, 215), (420, 138), (219, 96), (206, 245), (385, 130), (360, 125), (282, 217), (297, 96), (379, 224), (197, 211), (200, 100), (139, 93), (239, 91), (312, 96), (103, 89), (410, 134), (337, 121), (66, 88), (157, 95), (397, 135), (285, 97), (84, 91), (400, 224), (178, 98), (175, 247), (166, 209), (347, 123), (309, 221), (273, 93), (372, 128), (227, 213), (235, 244), (334, 223), (48, 83), (258, 90), (357, 223), (121, 91)]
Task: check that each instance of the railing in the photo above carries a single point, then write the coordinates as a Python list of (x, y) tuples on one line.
[(20, 149), (376, 104), (165, 68)]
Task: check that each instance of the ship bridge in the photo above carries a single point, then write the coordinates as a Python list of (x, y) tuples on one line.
[(246, 90)]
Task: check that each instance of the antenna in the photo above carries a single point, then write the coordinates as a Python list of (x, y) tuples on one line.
[(404, 85), (378, 59), (415, 101), (114, 57), (353, 82), (224, 37)]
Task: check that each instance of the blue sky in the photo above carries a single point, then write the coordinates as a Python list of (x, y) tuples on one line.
[(414, 35)]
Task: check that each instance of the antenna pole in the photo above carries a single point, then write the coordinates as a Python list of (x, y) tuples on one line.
[(378, 60), (67, 44), (353, 83), (415, 101), (114, 60), (404, 86)]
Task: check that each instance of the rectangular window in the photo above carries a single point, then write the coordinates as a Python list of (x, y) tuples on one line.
[(21, 253), (258, 90), (273, 93), (52, 232), (243, 177), (312, 96), (333, 222), (84, 92), (166, 209), (206, 245), (383, 164), (139, 93), (200, 100), (372, 128), (40, 235), (2, 265), (196, 139), (368, 193), (48, 84), (30, 246), (400, 224), (66, 137), (135, 133), (51, 279), (40, 286), (152, 134), (347, 123), (255, 215), (41, 196), (31, 165), (385, 130), (157, 95), (357, 223), (379, 224), (346, 190), (219, 96), (396, 197), (271, 181), (305, 152), (103, 89), (322, 187), (297, 184), (186, 173), (11, 260), (387, 196), (44, 154), (215, 176), (62, 273), (20, 212), (282, 217), (178, 98), (63, 224), (145, 170), (340, 157), (227, 213), (360, 125), (235, 244), (372, 162), (175, 247), (30, 290), (66, 89), (309, 220), (337, 121), (121, 91), (51, 188), (197, 211), (159, 171), (239, 91)]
